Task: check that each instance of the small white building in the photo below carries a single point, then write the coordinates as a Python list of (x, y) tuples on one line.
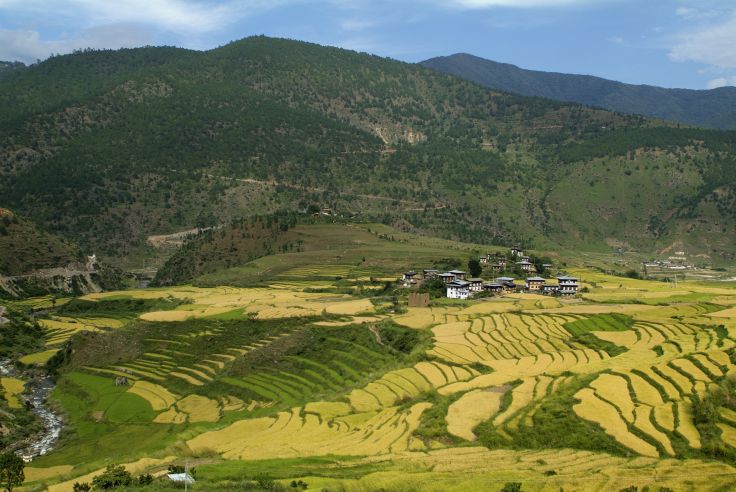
[(517, 251), (568, 286), (458, 289)]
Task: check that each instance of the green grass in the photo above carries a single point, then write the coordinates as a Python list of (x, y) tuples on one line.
[(599, 322), (555, 425)]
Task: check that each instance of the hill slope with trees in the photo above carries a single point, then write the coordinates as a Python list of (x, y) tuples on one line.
[(108, 147)]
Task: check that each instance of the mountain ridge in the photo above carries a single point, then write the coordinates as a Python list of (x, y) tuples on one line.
[(110, 147), (711, 108)]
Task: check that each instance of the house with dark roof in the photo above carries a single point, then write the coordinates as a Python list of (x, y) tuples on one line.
[(459, 274), (494, 287), (446, 277), (568, 285), (507, 283), (550, 289)]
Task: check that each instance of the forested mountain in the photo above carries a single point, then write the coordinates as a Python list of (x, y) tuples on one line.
[(7, 67), (107, 147), (714, 108), (24, 248)]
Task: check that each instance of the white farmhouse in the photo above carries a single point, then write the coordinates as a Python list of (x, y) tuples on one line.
[(458, 289)]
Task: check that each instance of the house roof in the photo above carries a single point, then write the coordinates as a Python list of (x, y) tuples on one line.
[(180, 477), (535, 279), (565, 277), (523, 262), (410, 273), (430, 270), (493, 285), (475, 279), (457, 271), (458, 283), (505, 279), (446, 274)]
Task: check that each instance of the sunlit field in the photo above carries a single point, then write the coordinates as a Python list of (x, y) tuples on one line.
[(301, 382)]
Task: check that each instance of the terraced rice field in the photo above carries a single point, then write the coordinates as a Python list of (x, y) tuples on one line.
[(502, 337), (501, 371), (289, 434), (12, 389)]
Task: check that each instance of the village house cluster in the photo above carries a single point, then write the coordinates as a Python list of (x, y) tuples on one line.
[(678, 261), (460, 287)]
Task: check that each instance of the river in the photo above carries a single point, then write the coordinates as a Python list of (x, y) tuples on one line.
[(38, 390)]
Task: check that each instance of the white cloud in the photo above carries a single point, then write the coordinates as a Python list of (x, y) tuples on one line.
[(179, 16), (713, 44), (28, 46), (357, 24), (721, 82), (689, 13)]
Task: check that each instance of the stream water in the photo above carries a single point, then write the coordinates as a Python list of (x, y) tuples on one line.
[(38, 390)]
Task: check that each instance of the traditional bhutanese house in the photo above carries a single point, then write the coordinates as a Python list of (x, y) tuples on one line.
[(534, 283), (476, 284), (502, 262), (525, 265), (547, 266), (517, 251), (484, 259), (493, 287), (458, 289), (430, 273), (507, 283), (568, 285), (459, 274), (446, 277), (408, 278), (550, 289)]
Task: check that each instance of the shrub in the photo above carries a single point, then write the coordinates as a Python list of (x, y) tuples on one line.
[(11, 470), (113, 477), (511, 487)]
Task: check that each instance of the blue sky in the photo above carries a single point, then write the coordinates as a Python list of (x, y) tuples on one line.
[(671, 43)]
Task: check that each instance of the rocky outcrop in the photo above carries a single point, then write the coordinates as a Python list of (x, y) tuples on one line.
[(76, 278)]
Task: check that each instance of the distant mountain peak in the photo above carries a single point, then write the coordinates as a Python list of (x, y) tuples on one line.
[(714, 108)]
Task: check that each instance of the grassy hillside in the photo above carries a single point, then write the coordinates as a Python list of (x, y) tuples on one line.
[(24, 248), (707, 108), (110, 147), (345, 251)]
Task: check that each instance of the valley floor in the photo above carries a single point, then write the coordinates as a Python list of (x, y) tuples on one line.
[(338, 384)]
